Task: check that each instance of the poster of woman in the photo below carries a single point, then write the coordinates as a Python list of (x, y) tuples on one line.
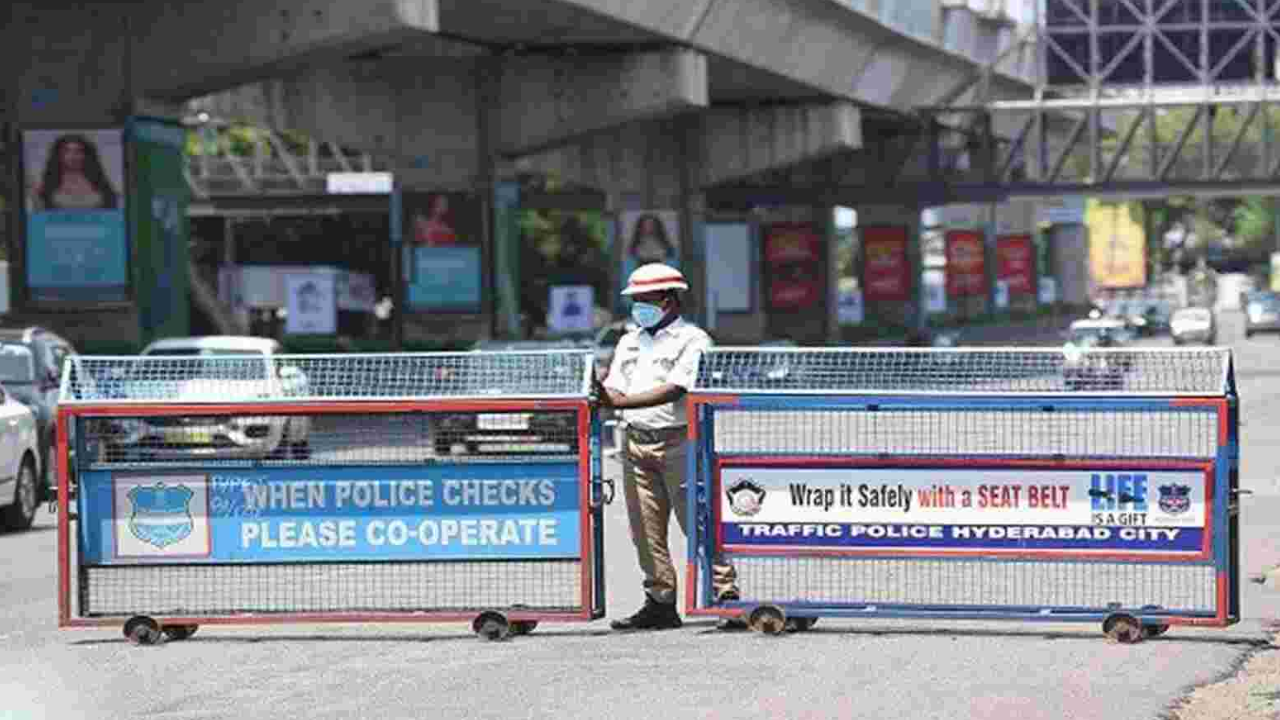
[(443, 233), (73, 170), (75, 190), (649, 236)]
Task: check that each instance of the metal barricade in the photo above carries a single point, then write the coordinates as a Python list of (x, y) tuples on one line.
[(1002, 483), (345, 488)]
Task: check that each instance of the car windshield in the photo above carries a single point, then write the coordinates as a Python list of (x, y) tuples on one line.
[(17, 364), (191, 363), (1089, 336)]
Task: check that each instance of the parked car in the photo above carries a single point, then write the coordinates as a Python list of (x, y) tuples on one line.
[(1194, 324), (31, 360), (196, 373), (1083, 369), (1262, 314), (19, 463), (511, 374)]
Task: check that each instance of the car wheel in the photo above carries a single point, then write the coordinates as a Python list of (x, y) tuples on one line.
[(1248, 334), (22, 512), (443, 449), (300, 450)]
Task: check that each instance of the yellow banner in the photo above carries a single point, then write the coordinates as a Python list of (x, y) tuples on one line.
[(1117, 245)]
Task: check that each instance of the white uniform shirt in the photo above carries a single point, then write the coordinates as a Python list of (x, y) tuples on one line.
[(644, 361)]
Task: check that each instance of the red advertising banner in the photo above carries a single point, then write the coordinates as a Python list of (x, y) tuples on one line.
[(1015, 263), (793, 260), (886, 270), (965, 265)]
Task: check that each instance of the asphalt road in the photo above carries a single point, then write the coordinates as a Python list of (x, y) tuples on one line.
[(856, 669)]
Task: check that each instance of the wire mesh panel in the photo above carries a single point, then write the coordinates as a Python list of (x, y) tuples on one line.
[(1148, 371), (259, 377), (969, 432), (332, 587), (501, 435)]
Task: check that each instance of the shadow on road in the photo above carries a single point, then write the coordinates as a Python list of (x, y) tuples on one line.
[(321, 638), (1230, 640)]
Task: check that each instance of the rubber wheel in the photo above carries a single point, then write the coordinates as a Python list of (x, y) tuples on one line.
[(1151, 630), (300, 450), (443, 450), (523, 627), (1123, 629), (142, 630), (767, 619), (179, 632), (491, 626), (22, 512)]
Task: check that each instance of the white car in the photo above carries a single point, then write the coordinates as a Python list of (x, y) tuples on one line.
[(1194, 324), (19, 460), (198, 373)]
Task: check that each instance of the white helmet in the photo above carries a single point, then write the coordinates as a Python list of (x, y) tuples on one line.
[(653, 277)]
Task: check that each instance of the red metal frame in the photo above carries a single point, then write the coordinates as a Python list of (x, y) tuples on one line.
[(1206, 548), (1219, 405), (68, 413)]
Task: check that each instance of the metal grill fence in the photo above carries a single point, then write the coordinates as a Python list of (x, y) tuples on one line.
[(953, 413), (428, 485), (952, 371)]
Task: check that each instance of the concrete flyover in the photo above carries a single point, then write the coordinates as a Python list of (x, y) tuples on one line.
[(651, 104)]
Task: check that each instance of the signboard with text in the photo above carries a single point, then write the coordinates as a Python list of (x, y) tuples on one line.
[(886, 269), (1015, 263), (965, 263), (1129, 511), (301, 514)]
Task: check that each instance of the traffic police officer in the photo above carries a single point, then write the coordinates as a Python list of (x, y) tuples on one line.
[(652, 369)]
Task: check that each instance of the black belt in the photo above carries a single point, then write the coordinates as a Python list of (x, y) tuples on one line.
[(653, 436)]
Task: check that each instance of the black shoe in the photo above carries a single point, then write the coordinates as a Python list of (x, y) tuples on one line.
[(653, 616)]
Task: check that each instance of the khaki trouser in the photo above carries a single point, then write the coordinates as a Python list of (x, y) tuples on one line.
[(653, 480)]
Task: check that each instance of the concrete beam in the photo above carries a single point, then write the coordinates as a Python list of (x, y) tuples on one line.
[(543, 102), (726, 143), (739, 143), (426, 110), (186, 49), (827, 45)]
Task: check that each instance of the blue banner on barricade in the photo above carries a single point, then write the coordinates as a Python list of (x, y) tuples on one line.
[(351, 513)]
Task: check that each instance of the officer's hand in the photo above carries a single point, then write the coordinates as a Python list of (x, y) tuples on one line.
[(599, 395)]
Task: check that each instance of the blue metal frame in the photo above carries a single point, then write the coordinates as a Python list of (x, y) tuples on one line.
[(1224, 551)]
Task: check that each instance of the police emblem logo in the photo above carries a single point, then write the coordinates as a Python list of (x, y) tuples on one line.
[(1175, 499), (161, 514), (745, 497)]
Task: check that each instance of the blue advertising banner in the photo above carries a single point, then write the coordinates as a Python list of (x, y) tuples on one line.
[(442, 232), (1133, 510), (76, 242), (445, 278), (431, 512)]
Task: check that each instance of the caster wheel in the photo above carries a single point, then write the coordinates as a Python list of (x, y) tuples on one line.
[(1123, 629), (142, 630), (523, 627), (767, 619), (1151, 630), (491, 626), (179, 632), (801, 624)]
